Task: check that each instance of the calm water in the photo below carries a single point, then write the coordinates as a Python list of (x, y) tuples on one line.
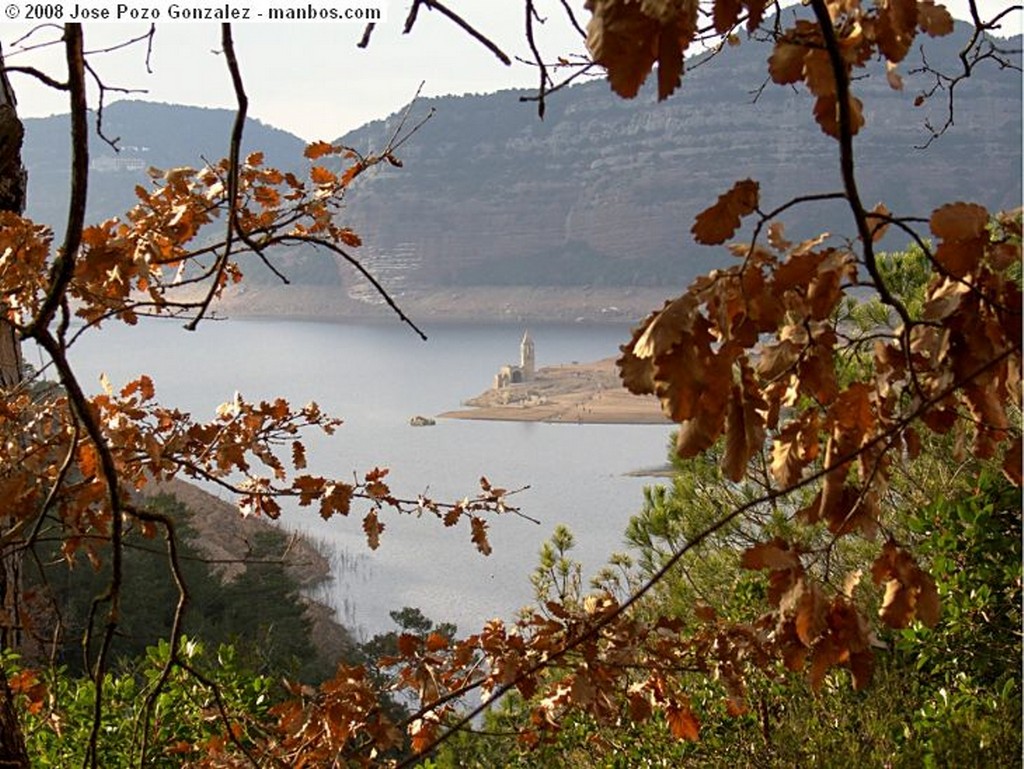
[(375, 377)]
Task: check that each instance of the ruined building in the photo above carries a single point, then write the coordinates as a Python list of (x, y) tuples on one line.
[(511, 374)]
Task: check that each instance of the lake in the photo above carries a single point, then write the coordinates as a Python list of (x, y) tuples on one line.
[(375, 377)]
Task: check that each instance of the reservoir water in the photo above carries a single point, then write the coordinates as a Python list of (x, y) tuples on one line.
[(375, 377)]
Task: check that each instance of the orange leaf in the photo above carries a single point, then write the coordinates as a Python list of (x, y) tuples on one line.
[(726, 14), (436, 642), (959, 221), (682, 722), (744, 428), (717, 224), (769, 555), (479, 536), (877, 223), (321, 175), (862, 666), (373, 529), (317, 150), (408, 644), (786, 64), (826, 112), (934, 19)]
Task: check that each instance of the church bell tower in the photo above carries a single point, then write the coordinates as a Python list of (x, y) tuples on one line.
[(526, 357)]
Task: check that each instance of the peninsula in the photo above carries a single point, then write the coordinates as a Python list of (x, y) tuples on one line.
[(582, 393)]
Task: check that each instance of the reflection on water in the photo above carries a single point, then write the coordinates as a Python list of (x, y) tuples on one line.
[(375, 377)]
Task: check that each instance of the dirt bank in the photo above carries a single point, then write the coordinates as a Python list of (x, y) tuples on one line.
[(589, 393)]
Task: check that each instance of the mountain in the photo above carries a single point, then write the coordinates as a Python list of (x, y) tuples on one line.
[(603, 191), (150, 135), (599, 196)]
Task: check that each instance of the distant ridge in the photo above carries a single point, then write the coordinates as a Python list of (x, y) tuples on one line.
[(599, 196)]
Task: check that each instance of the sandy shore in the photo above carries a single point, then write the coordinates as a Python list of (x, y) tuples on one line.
[(589, 393)]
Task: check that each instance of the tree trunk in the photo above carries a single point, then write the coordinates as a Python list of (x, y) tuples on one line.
[(13, 752), (12, 198)]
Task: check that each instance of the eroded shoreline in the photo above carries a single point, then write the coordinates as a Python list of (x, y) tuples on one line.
[(587, 393)]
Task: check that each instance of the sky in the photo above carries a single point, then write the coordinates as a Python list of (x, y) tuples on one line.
[(311, 79)]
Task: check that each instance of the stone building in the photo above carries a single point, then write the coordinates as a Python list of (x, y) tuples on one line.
[(510, 373)]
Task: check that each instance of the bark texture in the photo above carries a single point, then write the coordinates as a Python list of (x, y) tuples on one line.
[(13, 752)]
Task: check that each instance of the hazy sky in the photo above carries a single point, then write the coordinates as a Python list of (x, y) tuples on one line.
[(311, 79)]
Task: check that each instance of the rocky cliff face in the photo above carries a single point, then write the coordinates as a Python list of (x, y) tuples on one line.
[(603, 191), (600, 195)]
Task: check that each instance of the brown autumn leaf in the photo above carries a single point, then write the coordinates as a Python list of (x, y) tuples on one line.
[(934, 19), (373, 528), (337, 498), (959, 221), (718, 223), (627, 37), (298, 455), (824, 655), (895, 28), (621, 38), (479, 534), (826, 113), (744, 427), (786, 63), (794, 448), (318, 150), (422, 733), (808, 607), (725, 14), (862, 668), (893, 76), (321, 175), (910, 592), (436, 641), (818, 75), (770, 555), (960, 257), (878, 222), (682, 722), (699, 433)]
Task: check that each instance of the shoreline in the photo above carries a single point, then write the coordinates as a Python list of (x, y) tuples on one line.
[(588, 393), (427, 306)]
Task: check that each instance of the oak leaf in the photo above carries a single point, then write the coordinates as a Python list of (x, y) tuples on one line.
[(895, 28), (718, 223), (321, 175), (770, 555), (479, 534), (959, 221), (826, 112), (373, 528), (682, 722), (318, 149), (744, 427), (934, 19), (786, 63), (627, 38), (726, 13)]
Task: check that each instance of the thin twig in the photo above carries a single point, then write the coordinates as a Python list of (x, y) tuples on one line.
[(234, 152)]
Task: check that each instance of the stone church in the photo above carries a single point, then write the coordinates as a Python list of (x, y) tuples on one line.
[(511, 374)]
